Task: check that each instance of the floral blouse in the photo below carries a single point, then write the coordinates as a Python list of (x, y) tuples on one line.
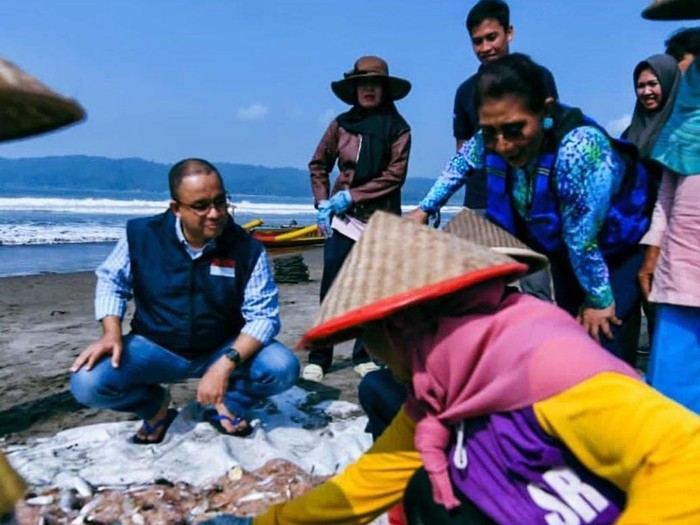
[(587, 172)]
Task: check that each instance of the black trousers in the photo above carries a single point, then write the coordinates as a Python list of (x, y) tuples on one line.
[(420, 509), (381, 398), (626, 292), (335, 251)]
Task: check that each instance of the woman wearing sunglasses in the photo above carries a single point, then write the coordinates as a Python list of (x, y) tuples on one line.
[(558, 182)]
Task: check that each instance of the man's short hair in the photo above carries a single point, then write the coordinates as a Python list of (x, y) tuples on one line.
[(682, 42), (488, 9), (189, 167)]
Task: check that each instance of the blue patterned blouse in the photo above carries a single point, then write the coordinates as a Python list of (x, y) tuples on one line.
[(587, 172)]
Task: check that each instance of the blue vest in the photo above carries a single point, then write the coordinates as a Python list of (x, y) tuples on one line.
[(191, 307), (628, 216)]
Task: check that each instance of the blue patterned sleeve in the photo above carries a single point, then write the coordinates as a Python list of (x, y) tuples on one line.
[(587, 171), (469, 158)]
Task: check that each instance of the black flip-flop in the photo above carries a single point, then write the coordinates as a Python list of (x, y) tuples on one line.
[(155, 427), (215, 419)]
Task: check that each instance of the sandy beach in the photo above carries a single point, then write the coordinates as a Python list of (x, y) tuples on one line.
[(46, 320)]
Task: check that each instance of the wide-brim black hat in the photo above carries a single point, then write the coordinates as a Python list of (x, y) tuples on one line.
[(365, 67)]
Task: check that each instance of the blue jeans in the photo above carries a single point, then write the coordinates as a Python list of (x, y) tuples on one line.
[(135, 386)]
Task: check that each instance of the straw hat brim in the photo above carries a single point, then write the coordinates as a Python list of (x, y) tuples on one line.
[(346, 89), (469, 225), (347, 326), (397, 264), (534, 261), (24, 114), (673, 10)]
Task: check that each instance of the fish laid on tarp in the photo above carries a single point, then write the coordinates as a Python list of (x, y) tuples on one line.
[(239, 492)]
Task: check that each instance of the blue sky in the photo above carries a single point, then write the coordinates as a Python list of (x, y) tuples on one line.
[(247, 81)]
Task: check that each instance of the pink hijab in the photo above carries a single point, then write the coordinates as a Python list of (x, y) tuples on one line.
[(523, 351)]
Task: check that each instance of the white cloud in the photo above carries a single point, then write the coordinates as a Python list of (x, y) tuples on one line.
[(616, 126), (252, 112), (325, 118)]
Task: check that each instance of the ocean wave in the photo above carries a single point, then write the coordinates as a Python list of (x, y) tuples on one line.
[(25, 234), (137, 207), (32, 221), (83, 206)]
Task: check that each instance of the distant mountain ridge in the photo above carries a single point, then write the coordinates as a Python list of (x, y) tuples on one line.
[(79, 172)]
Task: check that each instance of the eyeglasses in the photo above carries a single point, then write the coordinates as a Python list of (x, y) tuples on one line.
[(513, 131), (201, 208)]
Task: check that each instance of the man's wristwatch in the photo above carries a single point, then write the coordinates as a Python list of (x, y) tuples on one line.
[(233, 356)]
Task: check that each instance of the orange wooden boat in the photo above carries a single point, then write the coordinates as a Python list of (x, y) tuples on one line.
[(288, 237)]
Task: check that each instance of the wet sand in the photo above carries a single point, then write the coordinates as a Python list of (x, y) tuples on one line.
[(47, 320)]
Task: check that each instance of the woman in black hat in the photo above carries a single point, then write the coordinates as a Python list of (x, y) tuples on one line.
[(371, 144)]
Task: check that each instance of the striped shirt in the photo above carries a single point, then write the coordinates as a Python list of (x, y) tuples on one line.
[(260, 308)]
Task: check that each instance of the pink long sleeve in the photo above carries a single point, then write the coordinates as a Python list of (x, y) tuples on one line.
[(676, 230), (662, 211)]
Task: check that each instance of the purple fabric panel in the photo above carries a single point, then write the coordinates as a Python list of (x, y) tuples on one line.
[(518, 474)]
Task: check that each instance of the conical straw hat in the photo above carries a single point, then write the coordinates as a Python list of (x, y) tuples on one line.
[(397, 264), (673, 10), (28, 107), (469, 225)]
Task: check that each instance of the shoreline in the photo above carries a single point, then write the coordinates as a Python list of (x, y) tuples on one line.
[(28, 260), (46, 320)]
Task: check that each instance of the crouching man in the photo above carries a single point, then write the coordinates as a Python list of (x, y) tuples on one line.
[(206, 307)]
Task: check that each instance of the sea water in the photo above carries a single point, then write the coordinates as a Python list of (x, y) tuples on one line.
[(60, 232)]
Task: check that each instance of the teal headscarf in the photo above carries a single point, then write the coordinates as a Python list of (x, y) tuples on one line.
[(678, 145)]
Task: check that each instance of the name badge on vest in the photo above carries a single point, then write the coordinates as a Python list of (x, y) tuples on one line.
[(223, 267)]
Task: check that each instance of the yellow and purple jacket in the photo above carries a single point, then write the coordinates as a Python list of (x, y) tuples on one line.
[(623, 453)]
